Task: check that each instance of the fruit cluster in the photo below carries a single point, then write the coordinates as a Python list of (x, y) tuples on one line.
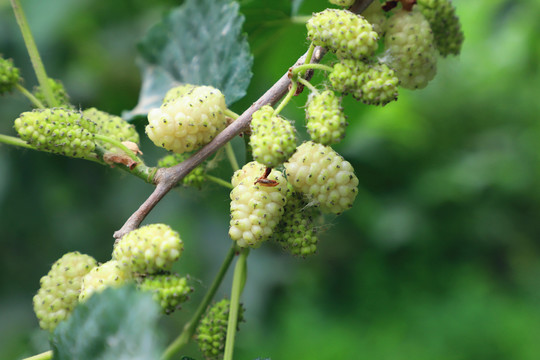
[(145, 256)]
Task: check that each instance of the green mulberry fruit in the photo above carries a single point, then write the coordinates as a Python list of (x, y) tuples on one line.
[(326, 122), (273, 138), (343, 3), (109, 274), (323, 176), (296, 231), (346, 34), (444, 22), (111, 126), (195, 178), (256, 206), (59, 131), (380, 85), (410, 49), (212, 329), (168, 290), (347, 76), (149, 249), (188, 122), (9, 75), (59, 291), (58, 91)]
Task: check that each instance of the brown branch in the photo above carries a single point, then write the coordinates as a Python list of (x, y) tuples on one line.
[(167, 178)]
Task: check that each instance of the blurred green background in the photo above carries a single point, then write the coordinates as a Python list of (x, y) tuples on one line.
[(438, 258)]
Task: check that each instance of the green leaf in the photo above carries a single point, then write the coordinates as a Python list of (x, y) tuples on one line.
[(201, 43), (115, 324)]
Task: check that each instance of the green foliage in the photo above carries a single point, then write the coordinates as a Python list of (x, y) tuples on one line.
[(112, 325), (200, 43)]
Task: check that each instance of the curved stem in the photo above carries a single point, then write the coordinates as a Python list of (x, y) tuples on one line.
[(287, 98), (29, 95), (119, 145), (239, 280), (191, 325), (304, 67), (231, 114), (308, 85), (219, 181), (31, 47), (15, 141), (146, 173), (231, 156), (43, 356)]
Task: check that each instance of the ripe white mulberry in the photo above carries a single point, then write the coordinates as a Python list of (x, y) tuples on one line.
[(256, 208), (323, 176), (188, 122)]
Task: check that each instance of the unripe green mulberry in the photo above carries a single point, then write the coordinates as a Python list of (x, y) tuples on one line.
[(444, 22), (410, 49), (194, 178), (272, 139), (326, 122), (256, 207), (380, 85), (376, 17), (58, 91), (296, 230), (109, 274), (59, 291), (59, 131), (190, 121), (373, 84), (168, 290), (111, 126), (9, 75), (212, 329), (343, 3), (323, 176), (149, 249), (347, 75), (346, 34)]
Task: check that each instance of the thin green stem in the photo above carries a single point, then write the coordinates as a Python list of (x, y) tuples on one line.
[(219, 181), (31, 47), (29, 95), (232, 158), (239, 280), (304, 67), (146, 173), (231, 114), (308, 85), (119, 145), (15, 141), (287, 98), (309, 54), (191, 325), (300, 19), (43, 356)]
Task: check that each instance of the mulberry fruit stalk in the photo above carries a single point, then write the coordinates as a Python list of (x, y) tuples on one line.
[(59, 289), (323, 176)]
